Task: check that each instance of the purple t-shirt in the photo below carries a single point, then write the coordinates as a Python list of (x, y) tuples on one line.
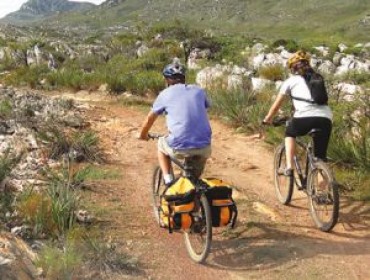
[(185, 107)]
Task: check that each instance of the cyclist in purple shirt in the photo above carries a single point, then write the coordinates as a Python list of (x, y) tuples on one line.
[(189, 130)]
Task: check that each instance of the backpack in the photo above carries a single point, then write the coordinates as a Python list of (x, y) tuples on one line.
[(316, 85), (223, 208)]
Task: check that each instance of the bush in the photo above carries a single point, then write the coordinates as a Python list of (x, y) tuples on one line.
[(34, 208), (6, 108), (60, 263), (240, 108), (148, 81), (356, 77), (289, 45), (67, 78), (27, 76), (83, 145), (274, 72)]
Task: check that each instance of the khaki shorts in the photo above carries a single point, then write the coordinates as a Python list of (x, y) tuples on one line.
[(197, 163)]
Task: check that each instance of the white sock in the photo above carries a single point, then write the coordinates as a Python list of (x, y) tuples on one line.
[(168, 178)]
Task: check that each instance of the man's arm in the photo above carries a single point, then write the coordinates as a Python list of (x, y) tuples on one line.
[(147, 124)]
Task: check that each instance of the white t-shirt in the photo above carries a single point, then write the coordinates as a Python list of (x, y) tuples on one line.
[(296, 86)]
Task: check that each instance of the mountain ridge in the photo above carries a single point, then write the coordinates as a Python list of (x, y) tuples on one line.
[(331, 20), (34, 10)]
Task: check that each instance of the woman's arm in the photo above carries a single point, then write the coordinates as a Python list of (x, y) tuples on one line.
[(274, 108)]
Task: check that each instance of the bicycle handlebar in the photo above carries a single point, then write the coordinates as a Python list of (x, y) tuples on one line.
[(278, 121)]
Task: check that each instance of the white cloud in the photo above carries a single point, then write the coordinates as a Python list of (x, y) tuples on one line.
[(8, 6)]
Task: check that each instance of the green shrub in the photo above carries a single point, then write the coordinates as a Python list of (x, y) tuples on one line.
[(67, 78), (240, 108), (85, 145), (355, 77), (34, 209), (274, 72), (27, 76), (64, 201), (148, 81), (7, 163), (5, 108), (350, 143), (173, 29), (289, 45), (63, 264)]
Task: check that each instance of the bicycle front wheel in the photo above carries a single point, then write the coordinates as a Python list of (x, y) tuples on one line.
[(323, 197), (283, 184), (158, 188), (199, 237)]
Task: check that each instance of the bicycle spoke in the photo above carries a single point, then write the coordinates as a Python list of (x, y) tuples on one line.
[(283, 183), (323, 197), (198, 238), (157, 189)]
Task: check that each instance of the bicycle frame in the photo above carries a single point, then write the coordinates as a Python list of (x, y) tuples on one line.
[(309, 160), (302, 174)]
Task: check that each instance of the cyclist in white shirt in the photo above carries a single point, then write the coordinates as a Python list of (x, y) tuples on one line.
[(307, 115)]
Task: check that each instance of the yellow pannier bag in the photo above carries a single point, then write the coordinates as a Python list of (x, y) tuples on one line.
[(223, 207), (177, 204)]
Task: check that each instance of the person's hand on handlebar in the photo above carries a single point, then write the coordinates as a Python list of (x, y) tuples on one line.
[(142, 136), (267, 121)]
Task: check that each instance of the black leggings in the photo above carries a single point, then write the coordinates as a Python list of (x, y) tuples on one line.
[(301, 126)]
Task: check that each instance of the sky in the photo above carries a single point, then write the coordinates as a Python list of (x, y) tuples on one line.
[(8, 6)]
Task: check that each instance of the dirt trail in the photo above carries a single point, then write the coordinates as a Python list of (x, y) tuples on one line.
[(271, 241)]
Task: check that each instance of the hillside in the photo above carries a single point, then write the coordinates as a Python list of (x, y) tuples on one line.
[(35, 10), (321, 20)]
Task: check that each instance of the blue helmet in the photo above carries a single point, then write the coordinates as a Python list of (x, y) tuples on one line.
[(174, 70)]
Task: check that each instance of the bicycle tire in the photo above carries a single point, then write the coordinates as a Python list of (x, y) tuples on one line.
[(158, 187), (323, 198), (200, 230), (283, 184)]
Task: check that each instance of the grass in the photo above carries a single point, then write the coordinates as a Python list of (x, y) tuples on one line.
[(240, 108), (58, 263), (102, 173), (6, 108), (83, 146)]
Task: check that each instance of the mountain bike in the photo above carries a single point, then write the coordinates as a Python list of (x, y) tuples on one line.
[(312, 176), (198, 236)]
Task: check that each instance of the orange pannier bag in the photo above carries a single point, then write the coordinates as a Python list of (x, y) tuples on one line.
[(176, 205), (223, 207)]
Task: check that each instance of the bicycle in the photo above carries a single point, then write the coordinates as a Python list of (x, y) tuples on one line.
[(312, 176), (198, 236)]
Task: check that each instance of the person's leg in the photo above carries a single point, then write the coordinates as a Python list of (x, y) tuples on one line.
[(164, 160), (321, 139), (198, 158), (165, 165), (289, 151)]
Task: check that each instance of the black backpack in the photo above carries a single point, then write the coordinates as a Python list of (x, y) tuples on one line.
[(316, 85)]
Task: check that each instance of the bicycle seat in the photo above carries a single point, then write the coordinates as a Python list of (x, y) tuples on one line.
[(313, 132)]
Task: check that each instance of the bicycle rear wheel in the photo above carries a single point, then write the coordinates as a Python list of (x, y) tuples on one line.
[(323, 197), (158, 188), (199, 237), (283, 184)]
